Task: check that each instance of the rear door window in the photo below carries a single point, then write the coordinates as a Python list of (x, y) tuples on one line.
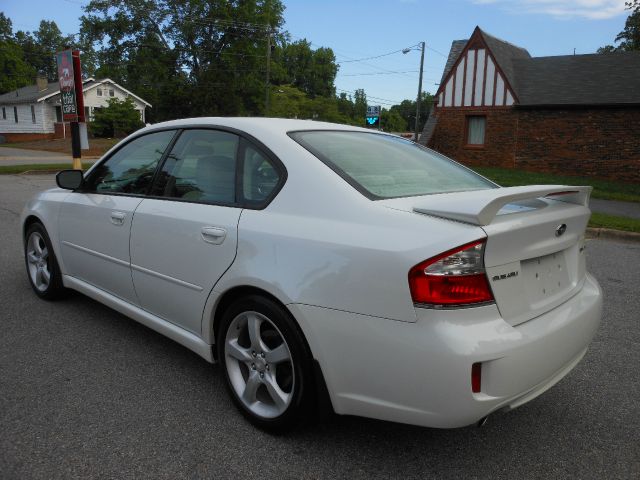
[(260, 177)]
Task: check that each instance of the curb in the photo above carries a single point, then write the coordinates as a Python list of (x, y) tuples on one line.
[(610, 234)]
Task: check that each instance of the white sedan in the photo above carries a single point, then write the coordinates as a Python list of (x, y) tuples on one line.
[(317, 261)]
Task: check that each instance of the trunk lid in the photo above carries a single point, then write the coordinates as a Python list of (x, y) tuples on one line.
[(534, 253)]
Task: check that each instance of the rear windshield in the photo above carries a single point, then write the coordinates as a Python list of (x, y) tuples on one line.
[(385, 166)]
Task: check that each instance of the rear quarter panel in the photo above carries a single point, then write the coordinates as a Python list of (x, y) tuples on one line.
[(322, 243)]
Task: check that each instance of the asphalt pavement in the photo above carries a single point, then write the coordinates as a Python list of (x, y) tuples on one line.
[(615, 207), (88, 393)]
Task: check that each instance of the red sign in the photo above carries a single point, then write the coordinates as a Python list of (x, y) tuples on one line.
[(67, 86)]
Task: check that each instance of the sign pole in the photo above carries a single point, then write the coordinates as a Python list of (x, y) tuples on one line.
[(72, 100), (76, 150)]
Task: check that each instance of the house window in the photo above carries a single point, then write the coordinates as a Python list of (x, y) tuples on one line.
[(99, 91), (4, 113), (475, 131), (15, 114), (111, 92), (58, 114), (33, 114)]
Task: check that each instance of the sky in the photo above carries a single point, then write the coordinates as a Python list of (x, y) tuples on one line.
[(358, 29)]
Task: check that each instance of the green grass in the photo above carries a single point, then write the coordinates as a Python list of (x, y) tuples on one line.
[(604, 189), (46, 167), (603, 220)]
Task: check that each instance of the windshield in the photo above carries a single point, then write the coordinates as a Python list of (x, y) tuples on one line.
[(385, 166)]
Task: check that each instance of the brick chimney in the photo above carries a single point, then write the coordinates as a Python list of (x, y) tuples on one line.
[(42, 83)]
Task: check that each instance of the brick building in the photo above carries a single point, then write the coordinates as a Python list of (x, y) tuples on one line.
[(575, 114)]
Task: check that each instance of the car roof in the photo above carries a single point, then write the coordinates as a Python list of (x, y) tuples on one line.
[(252, 124)]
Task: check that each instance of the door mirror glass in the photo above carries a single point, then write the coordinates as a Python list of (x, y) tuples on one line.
[(69, 179)]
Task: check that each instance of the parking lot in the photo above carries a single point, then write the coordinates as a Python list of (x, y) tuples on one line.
[(87, 393)]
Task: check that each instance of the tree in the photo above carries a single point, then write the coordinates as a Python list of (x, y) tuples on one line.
[(360, 105), (6, 28), (392, 121), (118, 118), (312, 71), (15, 72), (629, 38), (205, 57), (41, 46), (407, 110)]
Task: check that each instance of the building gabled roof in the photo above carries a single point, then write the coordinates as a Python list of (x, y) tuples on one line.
[(594, 79), (504, 52), (31, 94), (456, 49)]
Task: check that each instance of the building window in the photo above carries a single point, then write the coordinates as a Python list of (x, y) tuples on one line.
[(475, 131), (58, 114), (4, 113), (111, 92), (99, 91), (15, 114), (33, 114)]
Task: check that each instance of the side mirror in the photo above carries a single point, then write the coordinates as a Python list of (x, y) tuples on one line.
[(69, 179)]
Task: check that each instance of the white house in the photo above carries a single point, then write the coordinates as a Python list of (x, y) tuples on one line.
[(35, 112)]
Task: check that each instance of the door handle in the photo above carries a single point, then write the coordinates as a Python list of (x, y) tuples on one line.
[(117, 218), (214, 235)]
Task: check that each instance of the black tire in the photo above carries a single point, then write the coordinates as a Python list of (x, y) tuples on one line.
[(298, 369), (54, 289)]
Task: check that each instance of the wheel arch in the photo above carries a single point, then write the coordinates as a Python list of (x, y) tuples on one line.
[(224, 300), (28, 221)]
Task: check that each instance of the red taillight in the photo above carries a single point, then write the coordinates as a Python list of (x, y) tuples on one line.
[(455, 277), (476, 377)]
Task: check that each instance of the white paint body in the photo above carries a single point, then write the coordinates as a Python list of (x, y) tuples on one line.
[(339, 263)]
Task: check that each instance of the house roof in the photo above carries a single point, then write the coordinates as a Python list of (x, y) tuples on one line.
[(456, 49), (504, 52), (31, 94), (593, 79)]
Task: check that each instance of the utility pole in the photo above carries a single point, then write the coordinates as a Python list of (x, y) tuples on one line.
[(419, 100), (266, 99), (405, 51)]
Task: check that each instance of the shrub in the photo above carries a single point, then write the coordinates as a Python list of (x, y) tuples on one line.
[(118, 118)]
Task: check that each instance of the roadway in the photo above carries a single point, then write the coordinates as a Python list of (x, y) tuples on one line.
[(87, 393)]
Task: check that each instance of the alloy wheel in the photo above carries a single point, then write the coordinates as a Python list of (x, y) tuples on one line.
[(259, 364), (38, 262)]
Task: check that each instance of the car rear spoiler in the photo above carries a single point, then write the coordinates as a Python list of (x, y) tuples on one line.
[(479, 207)]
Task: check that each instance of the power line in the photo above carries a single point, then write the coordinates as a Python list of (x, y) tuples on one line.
[(370, 58), (378, 73), (384, 101), (436, 51)]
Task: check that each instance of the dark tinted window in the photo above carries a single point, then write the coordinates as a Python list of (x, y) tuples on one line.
[(259, 176), (131, 169), (200, 168), (385, 166)]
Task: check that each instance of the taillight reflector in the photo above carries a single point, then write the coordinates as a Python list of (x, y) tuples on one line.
[(455, 277), (476, 377)]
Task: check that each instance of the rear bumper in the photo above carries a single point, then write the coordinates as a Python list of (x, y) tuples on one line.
[(420, 373)]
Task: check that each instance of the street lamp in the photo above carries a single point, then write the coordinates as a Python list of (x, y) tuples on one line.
[(420, 46)]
